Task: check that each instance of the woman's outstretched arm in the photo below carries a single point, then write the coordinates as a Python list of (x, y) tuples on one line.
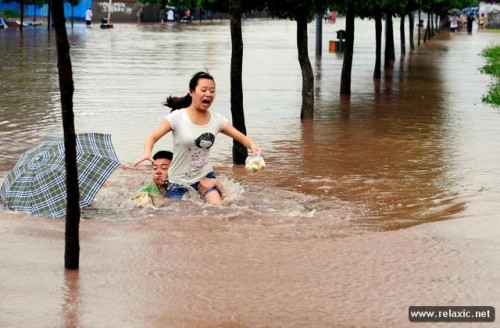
[(232, 132), (157, 133)]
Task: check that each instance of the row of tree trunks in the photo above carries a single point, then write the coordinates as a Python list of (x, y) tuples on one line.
[(72, 247)]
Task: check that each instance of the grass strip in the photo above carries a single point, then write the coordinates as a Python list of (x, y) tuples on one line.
[(492, 67)]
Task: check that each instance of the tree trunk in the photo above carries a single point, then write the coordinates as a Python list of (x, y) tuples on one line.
[(240, 152), (411, 22), (66, 88), (431, 20), (49, 15), (427, 34), (307, 110), (419, 27), (345, 79), (319, 35), (377, 72), (402, 33), (22, 15), (390, 54)]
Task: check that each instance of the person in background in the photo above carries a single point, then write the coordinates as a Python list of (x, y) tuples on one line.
[(470, 20), (194, 129), (139, 14), (162, 15), (170, 15), (333, 17), (463, 20), (187, 15), (482, 21), (88, 17), (454, 23)]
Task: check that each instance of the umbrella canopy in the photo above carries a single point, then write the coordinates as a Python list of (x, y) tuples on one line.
[(37, 184), (454, 11)]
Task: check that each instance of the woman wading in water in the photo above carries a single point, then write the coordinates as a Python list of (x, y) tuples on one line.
[(194, 129)]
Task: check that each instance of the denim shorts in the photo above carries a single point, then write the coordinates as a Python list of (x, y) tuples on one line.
[(177, 191)]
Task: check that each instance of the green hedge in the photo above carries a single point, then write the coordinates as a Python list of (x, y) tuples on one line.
[(492, 67)]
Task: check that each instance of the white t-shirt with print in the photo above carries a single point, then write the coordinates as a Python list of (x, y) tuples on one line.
[(191, 162)]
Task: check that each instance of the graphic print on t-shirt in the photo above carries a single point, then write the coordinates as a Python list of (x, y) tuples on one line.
[(203, 142)]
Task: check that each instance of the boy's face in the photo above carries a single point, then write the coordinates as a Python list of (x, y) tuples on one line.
[(160, 170)]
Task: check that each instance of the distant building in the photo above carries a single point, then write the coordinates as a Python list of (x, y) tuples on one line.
[(122, 11), (77, 12)]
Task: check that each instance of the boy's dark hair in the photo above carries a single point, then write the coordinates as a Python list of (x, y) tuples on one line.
[(163, 154)]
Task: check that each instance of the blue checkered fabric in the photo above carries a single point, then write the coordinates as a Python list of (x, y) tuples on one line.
[(37, 183)]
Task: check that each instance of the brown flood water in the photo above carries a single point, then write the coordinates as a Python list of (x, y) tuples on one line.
[(320, 238)]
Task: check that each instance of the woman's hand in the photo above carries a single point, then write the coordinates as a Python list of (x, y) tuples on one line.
[(256, 149), (232, 132), (207, 184)]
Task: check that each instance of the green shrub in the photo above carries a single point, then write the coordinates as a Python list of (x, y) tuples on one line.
[(492, 67)]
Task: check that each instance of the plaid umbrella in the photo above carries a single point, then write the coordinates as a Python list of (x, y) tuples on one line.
[(37, 184)]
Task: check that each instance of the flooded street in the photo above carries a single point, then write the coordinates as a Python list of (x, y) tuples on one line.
[(331, 233)]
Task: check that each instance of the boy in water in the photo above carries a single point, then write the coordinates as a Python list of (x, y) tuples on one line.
[(158, 185), (159, 174)]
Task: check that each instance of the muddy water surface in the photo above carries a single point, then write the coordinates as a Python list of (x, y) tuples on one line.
[(304, 242)]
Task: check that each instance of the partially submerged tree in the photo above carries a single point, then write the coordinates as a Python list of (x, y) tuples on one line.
[(237, 113), (389, 52), (379, 10), (345, 80), (365, 9), (66, 88), (303, 12), (37, 4), (348, 8), (73, 4), (236, 8)]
